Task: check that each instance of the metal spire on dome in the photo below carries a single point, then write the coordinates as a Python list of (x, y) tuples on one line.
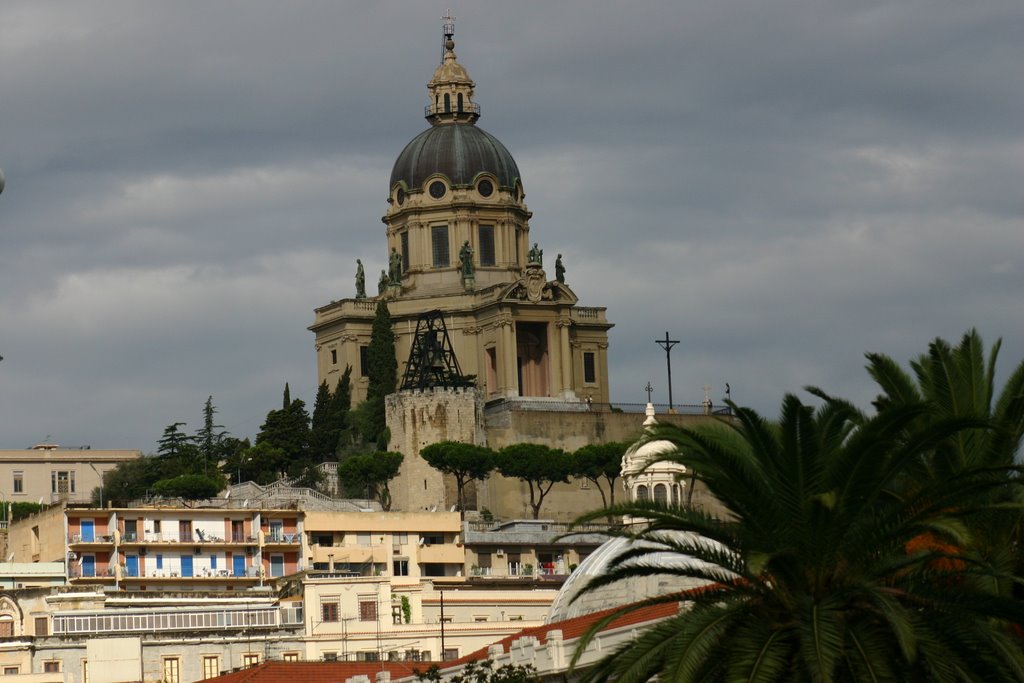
[(448, 31)]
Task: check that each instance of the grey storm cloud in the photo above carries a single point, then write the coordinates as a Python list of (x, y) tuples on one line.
[(781, 186)]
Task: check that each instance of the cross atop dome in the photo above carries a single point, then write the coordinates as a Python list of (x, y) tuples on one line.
[(451, 88)]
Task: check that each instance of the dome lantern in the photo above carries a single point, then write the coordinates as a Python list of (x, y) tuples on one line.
[(451, 88)]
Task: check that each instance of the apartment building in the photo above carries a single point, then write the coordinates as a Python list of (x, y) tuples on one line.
[(50, 474)]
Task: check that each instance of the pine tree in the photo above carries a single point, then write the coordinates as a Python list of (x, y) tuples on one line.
[(287, 397), (210, 436)]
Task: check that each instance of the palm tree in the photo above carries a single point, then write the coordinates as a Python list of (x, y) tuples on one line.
[(958, 382), (812, 575)]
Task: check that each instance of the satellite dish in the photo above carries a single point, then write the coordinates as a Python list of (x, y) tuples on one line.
[(454, 508), (40, 500), (246, 503), (10, 556), (227, 495)]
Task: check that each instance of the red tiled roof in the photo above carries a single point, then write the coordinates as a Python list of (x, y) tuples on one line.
[(317, 672)]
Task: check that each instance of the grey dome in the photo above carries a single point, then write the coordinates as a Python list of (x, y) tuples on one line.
[(569, 604), (457, 151)]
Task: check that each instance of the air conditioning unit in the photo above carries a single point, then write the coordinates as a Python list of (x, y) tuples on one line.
[(500, 552)]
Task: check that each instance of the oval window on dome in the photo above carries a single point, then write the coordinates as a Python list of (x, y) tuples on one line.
[(485, 187), (400, 196), (437, 189)]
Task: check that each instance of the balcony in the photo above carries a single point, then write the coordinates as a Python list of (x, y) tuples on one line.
[(282, 539), (448, 553)]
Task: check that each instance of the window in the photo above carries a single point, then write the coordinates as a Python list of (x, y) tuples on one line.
[(211, 666), (250, 659), (367, 610), (7, 628), (290, 657), (321, 566), (159, 561), (396, 614), (172, 670), (213, 561), (85, 671), (328, 610), (51, 667), (364, 361), (400, 538), (11, 671), (156, 526), (450, 654), (642, 492), (321, 539), (405, 251), (330, 656), (589, 373), (62, 481), (432, 538), (439, 245), (334, 356), (486, 234), (400, 567), (19, 481), (42, 626)]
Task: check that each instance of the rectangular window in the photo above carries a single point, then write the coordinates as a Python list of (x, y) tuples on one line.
[(367, 610), (330, 656), (400, 567), (439, 245), (213, 561), (486, 234), (250, 659), (19, 481), (589, 370), (328, 610), (364, 361), (172, 670), (11, 671), (85, 671), (51, 667), (401, 538), (290, 656), (334, 356), (211, 666), (159, 561), (405, 251), (42, 626), (321, 539)]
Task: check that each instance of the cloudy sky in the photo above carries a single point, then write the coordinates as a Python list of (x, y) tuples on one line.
[(781, 186)]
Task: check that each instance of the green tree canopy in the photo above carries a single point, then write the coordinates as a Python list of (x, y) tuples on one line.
[(190, 486), (600, 463), (540, 467), (287, 429), (382, 376), (209, 438), (372, 473), (820, 571), (463, 461)]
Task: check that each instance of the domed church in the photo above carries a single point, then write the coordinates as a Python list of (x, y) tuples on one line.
[(458, 246)]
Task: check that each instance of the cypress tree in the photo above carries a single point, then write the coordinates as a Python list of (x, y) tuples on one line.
[(382, 373)]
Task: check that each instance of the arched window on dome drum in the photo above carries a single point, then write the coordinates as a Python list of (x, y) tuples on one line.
[(660, 494), (641, 493), (460, 103), (447, 103)]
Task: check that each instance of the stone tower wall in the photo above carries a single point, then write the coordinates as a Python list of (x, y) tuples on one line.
[(420, 418)]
